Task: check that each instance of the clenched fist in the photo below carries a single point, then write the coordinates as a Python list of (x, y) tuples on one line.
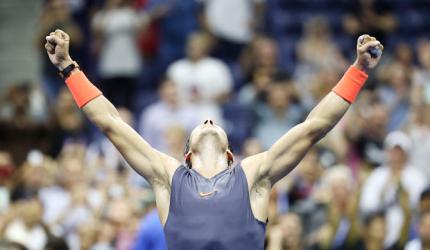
[(57, 46), (369, 51)]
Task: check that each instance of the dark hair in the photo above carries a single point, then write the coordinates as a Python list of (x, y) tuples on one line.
[(187, 149), (372, 216), (425, 194)]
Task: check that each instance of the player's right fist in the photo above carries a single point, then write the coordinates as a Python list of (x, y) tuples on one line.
[(57, 47)]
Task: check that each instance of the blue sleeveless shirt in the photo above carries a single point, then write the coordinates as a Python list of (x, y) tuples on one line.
[(212, 214)]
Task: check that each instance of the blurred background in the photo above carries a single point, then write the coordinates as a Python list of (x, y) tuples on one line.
[(257, 67)]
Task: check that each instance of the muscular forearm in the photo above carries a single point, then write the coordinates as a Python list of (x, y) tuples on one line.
[(332, 108), (326, 114), (101, 112)]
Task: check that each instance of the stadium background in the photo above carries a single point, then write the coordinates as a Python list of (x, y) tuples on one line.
[(257, 67)]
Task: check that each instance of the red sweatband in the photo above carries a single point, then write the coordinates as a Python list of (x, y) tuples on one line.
[(349, 86), (81, 88)]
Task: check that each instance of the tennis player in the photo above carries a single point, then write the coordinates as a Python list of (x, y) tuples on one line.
[(207, 202)]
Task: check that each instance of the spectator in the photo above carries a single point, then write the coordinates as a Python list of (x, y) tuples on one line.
[(200, 78), (175, 21), (395, 95), (317, 49), (368, 135), (423, 242), (57, 15), (256, 90), (168, 111), (381, 190), (25, 226), (261, 55), (418, 128), (340, 212), (287, 235), (150, 235), (122, 216), (175, 138), (277, 116), (421, 75), (116, 28), (7, 169), (370, 16), (233, 29), (24, 121)]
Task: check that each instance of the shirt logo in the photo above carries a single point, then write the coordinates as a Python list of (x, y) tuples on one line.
[(205, 194)]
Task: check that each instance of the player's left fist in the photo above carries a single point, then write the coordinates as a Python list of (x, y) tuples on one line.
[(369, 52)]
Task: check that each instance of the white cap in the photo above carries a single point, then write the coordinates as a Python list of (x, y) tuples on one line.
[(400, 139)]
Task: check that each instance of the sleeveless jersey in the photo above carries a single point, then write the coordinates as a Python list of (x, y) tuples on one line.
[(212, 214)]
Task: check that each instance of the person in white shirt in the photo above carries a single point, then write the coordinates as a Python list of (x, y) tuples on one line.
[(380, 191), (116, 28), (233, 23), (200, 78)]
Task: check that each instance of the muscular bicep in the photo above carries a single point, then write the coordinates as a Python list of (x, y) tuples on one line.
[(143, 158), (146, 160), (287, 152)]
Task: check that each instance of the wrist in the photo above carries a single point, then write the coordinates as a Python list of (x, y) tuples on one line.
[(360, 66), (63, 64)]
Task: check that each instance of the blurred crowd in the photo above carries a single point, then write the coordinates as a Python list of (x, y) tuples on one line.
[(257, 67)]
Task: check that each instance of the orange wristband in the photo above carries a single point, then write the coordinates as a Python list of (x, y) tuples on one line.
[(81, 88), (350, 85)]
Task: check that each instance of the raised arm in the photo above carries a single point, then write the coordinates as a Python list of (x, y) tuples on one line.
[(150, 163), (287, 152)]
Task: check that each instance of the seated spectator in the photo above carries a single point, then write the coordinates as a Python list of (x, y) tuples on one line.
[(385, 184), (367, 132), (374, 231), (287, 235), (339, 213), (150, 235), (276, 116), (200, 79), (421, 76), (121, 214), (175, 139), (25, 226), (423, 242), (30, 178), (261, 55), (317, 49), (169, 111), (24, 121), (395, 95), (418, 128), (304, 183), (370, 16), (256, 90)]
